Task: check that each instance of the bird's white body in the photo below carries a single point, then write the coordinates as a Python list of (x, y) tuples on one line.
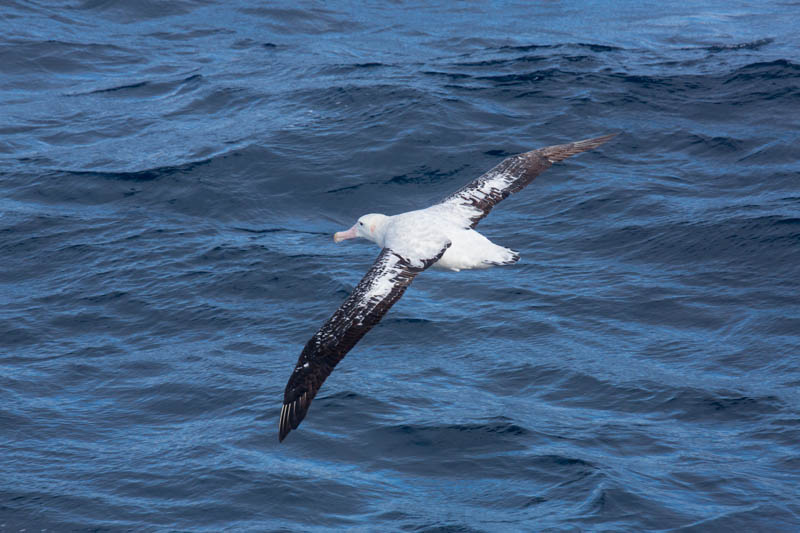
[(423, 232)]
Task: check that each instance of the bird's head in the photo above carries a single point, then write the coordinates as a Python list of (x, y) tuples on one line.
[(368, 227)]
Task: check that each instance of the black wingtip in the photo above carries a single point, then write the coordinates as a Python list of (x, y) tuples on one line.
[(292, 414), (560, 152), (288, 420)]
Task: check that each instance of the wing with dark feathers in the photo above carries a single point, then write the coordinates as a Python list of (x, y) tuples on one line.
[(476, 199), (380, 288)]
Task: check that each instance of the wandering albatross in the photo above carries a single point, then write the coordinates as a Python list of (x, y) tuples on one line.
[(441, 236)]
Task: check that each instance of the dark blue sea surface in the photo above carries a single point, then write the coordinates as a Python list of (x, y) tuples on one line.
[(170, 177)]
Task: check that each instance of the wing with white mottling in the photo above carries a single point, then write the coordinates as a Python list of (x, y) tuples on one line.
[(380, 288), (475, 200)]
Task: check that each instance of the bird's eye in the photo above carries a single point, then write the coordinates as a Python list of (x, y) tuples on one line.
[(360, 223)]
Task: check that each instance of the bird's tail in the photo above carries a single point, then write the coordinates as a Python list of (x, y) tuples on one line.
[(505, 256), (560, 152)]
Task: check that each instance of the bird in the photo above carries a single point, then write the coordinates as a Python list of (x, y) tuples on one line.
[(441, 236)]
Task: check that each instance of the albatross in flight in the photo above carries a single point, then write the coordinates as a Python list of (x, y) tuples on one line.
[(442, 235)]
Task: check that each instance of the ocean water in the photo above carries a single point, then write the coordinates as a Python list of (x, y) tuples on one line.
[(170, 177)]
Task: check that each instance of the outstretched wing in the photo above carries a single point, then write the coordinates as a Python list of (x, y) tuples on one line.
[(475, 200), (380, 288)]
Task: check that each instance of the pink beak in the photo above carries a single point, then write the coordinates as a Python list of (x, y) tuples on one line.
[(343, 235)]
